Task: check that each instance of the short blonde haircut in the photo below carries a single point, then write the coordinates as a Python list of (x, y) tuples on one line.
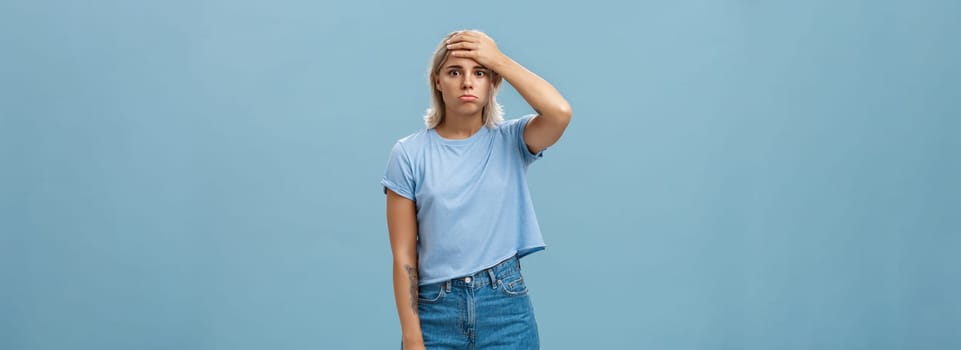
[(493, 113)]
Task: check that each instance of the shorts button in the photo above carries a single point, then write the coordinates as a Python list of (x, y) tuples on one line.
[(467, 279)]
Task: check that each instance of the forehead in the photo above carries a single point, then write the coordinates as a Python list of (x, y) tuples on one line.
[(463, 62)]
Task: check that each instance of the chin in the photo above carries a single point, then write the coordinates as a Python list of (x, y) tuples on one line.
[(470, 110)]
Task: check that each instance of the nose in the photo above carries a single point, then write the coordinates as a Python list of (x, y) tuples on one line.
[(468, 82)]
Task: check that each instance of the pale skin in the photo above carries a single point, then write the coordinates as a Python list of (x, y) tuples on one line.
[(465, 83)]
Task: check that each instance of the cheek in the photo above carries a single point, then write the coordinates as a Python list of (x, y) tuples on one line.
[(487, 88)]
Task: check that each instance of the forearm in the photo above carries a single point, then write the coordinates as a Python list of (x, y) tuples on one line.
[(405, 295), (540, 94), (402, 226)]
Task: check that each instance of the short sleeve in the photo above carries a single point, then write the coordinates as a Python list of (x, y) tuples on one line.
[(399, 174), (519, 131)]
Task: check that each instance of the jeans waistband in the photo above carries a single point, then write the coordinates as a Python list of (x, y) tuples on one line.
[(487, 277)]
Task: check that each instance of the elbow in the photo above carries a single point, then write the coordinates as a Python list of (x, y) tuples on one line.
[(564, 113), (405, 253), (405, 260)]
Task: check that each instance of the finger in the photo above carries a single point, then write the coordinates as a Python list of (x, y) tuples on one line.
[(462, 53), (462, 46), (467, 35), (460, 38)]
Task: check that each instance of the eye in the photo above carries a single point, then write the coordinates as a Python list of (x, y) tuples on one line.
[(453, 73), (480, 73)]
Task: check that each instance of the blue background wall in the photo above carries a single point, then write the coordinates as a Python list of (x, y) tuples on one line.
[(738, 174)]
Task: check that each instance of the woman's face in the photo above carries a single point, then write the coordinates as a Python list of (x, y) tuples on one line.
[(464, 84)]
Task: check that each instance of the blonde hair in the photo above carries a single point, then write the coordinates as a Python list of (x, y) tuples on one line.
[(492, 114)]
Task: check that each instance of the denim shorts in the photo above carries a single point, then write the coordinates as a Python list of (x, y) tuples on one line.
[(487, 310)]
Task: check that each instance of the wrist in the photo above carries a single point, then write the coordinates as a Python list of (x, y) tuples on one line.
[(413, 340), (501, 63)]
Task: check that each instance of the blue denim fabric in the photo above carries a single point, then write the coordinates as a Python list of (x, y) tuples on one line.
[(487, 310)]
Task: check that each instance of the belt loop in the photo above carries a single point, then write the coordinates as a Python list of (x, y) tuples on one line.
[(490, 272), (447, 286)]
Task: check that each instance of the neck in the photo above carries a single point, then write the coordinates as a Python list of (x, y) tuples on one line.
[(459, 126)]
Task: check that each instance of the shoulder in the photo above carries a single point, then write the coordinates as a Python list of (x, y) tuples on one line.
[(413, 140), (409, 146)]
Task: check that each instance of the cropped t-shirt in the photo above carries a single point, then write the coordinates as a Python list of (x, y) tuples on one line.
[(474, 208)]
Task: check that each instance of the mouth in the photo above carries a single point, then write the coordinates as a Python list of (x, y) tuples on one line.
[(467, 98)]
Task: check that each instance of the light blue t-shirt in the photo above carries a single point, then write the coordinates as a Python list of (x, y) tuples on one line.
[(474, 208)]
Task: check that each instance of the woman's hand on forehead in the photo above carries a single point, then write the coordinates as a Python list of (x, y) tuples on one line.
[(476, 46)]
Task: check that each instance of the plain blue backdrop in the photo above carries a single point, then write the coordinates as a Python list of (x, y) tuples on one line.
[(738, 174)]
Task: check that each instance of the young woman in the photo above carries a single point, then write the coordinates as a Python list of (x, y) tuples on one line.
[(459, 212)]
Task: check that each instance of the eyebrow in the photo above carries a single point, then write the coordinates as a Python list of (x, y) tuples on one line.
[(455, 66)]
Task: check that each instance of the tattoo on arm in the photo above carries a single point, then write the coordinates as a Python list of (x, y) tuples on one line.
[(412, 276)]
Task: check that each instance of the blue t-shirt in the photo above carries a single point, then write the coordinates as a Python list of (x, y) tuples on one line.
[(474, 208)]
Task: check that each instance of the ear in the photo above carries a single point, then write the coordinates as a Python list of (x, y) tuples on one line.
[(436, 83)]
